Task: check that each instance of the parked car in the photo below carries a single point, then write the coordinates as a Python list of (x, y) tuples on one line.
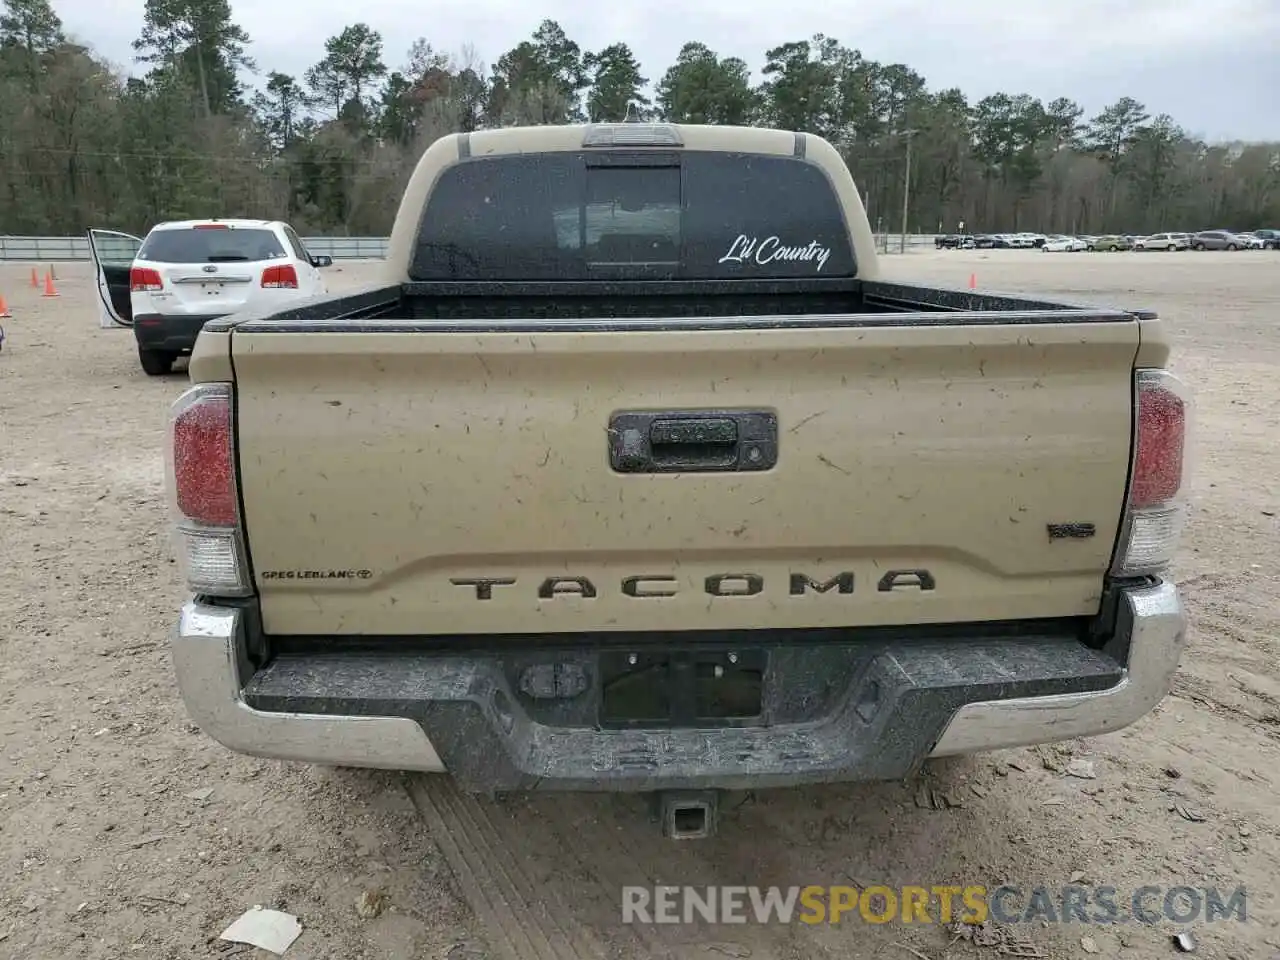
[(1024, 241), (954, 241), (1253, 241), (1064, 245), (984, 241), (186, 273), (1164, 241), (1218, 240), (1112, 243), (1270, 239)]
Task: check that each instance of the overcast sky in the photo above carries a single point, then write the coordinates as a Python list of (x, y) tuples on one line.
[(1211, 64)]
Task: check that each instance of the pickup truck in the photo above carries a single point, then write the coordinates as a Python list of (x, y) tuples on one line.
[(632, 473)]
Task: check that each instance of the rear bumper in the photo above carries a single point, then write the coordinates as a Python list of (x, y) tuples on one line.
[(169, 334), (459, 713)]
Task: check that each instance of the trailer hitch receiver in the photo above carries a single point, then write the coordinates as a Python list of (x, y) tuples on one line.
[(688, 814)]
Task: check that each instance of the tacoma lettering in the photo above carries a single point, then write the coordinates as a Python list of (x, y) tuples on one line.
[(800, 582), (734, 584), (575, 586), (635, 586), (650, 585), (920, 579), (483, 586)]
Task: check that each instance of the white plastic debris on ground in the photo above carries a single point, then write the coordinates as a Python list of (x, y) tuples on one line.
[(266, 929)]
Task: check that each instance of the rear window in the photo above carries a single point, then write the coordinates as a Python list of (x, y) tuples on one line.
[(579, 216), (211, 245)]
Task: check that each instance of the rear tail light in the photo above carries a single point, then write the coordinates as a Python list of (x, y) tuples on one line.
[(1157, 502), (204, 492), (284, 276), (210, 226), (144, 280)]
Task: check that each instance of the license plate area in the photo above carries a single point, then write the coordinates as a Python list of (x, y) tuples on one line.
[(681, 688)]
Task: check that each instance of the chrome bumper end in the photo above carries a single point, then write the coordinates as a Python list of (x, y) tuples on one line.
[(1151, 623), (208, 647)]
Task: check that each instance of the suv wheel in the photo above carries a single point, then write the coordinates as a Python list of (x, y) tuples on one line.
[(156, 363), (1199, 246), (1173, 247), (1231, 246)]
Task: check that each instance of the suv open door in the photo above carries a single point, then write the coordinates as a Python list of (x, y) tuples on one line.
[(113, 255)]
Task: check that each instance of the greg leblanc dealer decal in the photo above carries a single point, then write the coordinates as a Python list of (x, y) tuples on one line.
[(747, 249)]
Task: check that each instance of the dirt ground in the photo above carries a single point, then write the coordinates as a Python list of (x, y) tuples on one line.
[(126, 832)]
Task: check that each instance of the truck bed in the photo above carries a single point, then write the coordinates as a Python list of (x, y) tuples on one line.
[(534, 306), (937, 457)]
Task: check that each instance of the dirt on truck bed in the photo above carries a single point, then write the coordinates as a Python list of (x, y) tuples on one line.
[(126, 832)]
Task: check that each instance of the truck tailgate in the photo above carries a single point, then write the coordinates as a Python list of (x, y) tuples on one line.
[(399, 481)]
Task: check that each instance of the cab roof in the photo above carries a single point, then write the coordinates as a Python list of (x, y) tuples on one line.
[(230, 223), (576, 136)]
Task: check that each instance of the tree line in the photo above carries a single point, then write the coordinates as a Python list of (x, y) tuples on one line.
[(331, 150)]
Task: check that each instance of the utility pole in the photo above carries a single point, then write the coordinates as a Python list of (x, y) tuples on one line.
[(906, 187)]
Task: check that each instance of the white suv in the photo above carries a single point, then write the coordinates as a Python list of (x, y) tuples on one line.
[(188, 272), (1164, 241)]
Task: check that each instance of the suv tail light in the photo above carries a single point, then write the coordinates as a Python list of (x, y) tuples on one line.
[(204, 492), (1157, 502), (284, 276), (144, 280)]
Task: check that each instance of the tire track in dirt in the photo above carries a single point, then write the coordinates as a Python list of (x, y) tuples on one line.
[(612, 864), (520, 923), (545, 876), (623, 848), (1266, 722)]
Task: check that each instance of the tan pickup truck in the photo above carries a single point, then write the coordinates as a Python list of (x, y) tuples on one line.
[(632, 474)]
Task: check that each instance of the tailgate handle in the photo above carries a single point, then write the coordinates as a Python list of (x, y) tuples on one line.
[(693, 441)]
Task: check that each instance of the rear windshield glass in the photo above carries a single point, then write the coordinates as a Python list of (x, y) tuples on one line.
[(688, 216), (211, 246)]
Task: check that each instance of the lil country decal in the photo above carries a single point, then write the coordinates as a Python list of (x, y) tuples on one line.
[(747, 249)]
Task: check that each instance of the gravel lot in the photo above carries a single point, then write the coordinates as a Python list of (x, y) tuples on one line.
[(125, 832)]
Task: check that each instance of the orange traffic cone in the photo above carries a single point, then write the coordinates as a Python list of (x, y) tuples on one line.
[(4, 308), (49, 289), (35, 279), (973, 281)]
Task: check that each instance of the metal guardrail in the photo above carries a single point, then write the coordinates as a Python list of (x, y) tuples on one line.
[(77, 248), (42, 249), (892, 242), (348, 248)]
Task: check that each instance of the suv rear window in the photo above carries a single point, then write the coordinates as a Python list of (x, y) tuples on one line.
[(207, 245), (617, 215)]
